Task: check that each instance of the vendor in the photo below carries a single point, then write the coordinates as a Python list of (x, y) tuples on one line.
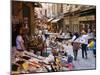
[(20, 42)]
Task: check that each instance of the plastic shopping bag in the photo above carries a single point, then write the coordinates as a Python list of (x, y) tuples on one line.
[(91, 44)]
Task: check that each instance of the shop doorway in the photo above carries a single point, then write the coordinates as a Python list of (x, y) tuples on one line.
[(87, 25), (26, 17)]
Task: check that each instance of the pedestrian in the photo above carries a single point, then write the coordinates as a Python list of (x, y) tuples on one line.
[(84, 41), (69, 64), (76, 46), (92, 45), (94, 48), (91, 36), (75, 36)]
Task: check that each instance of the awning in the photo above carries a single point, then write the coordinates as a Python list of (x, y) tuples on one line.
[(91, 11), (55, 20), (50, 19), (37, 4)]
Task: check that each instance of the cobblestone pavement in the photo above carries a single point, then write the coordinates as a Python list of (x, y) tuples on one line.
[(89, 63), (84, 64)]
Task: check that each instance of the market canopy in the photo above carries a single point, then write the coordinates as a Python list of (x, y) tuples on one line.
[(37, 4), (50, 19), (55, 20)]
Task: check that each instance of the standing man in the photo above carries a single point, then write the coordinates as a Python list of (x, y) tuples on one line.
[(84, 41)]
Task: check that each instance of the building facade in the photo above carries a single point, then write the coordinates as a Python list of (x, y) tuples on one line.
[(23, 13), (68, 17), (80, 17)]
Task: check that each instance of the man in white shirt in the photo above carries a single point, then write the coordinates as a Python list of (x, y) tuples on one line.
[(84, 41)]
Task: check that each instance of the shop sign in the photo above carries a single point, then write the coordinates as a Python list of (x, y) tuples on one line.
[(85, 18)]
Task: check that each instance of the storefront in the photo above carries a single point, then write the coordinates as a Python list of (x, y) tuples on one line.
[(71, 21), (87, 20), (57, 24), (25, 14)]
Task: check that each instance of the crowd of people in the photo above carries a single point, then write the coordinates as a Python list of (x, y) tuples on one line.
[(53, 49)]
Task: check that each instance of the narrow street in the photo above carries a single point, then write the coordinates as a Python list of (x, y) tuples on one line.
[(81, 63)]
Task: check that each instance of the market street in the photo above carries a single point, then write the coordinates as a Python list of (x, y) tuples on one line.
[(81, 63), (89, 63), (52, 37)]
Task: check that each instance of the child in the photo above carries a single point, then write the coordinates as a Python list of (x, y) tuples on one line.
[(70, 62), (92, 45)]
